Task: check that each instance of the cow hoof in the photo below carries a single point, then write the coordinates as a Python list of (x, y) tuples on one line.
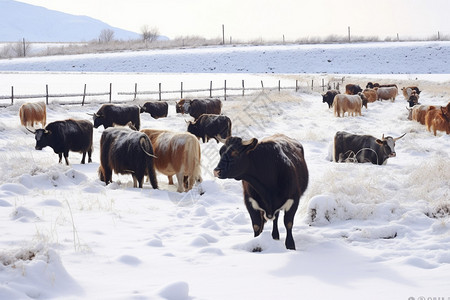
[(257, 249)]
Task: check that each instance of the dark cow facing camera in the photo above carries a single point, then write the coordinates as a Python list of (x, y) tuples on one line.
[(363, 148), (155, 109), (109, 115), (208, 127), (328, 97), (274, 176), (65, 136), (126, 151), (352, 89)]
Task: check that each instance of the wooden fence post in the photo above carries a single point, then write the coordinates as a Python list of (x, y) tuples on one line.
[(279, 85), (110, 92), (312, 84), (84, 95), (12, 95), (323, 85), (135, 91), (262, 85), (225, 90), (181, 90), (296, 85), (160, 91), (243, 88), (210, 89), (46, 94)]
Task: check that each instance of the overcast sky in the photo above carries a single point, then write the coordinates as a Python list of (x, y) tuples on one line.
[(255, 19)]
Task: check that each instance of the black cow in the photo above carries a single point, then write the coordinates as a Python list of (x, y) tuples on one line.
[(126, 151), (155, 109), (328, 97), (198, 107), (352, 89), (67, 135), (371, 85), (209, 126), (110, 114), (274, 176), (363, 148)]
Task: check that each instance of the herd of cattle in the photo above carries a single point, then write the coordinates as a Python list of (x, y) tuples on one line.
[(273, 171), (434, 117)]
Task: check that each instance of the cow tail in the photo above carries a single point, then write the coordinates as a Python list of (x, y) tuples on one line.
[(143, 142)]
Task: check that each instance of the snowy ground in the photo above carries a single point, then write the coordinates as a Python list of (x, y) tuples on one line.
[(362, 231)]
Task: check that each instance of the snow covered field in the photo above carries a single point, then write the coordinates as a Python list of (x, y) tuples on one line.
[(362, 231)]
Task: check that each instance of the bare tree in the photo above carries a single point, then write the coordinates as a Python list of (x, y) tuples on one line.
[(106, 36), (21, 48), (149, 34)]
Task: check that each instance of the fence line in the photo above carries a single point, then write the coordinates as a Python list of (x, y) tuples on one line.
[(224, 89), (47, 95)]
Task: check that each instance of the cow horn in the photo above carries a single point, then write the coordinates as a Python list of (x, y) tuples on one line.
[(33, 132), (248, 142), (90, 114), (395, 139)]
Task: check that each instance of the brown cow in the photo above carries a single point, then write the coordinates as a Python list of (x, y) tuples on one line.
[(352, 89), (407, 91), (438, 118), (178, 153), (419, 112), (31, 113), (371, 95)]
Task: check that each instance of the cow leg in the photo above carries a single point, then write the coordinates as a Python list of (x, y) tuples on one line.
[(275, 233), (60, 157), (66, 155), (256, 216), (289, 223), (135, 181), (90, 155), (170, 179), (83, 159), (180, 182)]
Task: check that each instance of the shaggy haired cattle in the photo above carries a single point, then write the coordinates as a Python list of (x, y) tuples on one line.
[(67, 135), (371, 95), (198, 107), (328, 97), (178, 153), (350, 104), (31, 113), (408, 90), (209, 126), (126, 151), (438, 118), (387, 93), (155, 109), (419, 112), (109, 115), (352, 89)]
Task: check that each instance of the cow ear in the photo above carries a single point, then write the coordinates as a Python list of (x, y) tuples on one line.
[(379, 142), (250, 144)]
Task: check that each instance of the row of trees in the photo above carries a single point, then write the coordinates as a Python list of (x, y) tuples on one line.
[(149, 34)]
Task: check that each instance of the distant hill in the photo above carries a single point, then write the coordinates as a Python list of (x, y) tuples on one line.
[(38, 24)]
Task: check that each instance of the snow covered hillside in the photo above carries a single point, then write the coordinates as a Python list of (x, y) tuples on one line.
[(362, 230)]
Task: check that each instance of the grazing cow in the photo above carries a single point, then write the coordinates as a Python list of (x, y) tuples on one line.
[(363, 148), (126, 151), (352, 89), (274, 176), (438, 118), (65, 136), (419, 112), (209, 126), (387, 93), (110, 114), (371, 85), (328, 97), (407, 90), (31, 113), (178, 153), (155, 109), (198, 107), (370, 94), (350, 104)]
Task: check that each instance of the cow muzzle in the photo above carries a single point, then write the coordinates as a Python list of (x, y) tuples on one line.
[(393, 154)]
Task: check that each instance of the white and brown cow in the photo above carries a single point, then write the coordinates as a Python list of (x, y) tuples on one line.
[(178, 153), (387, 93), (33, 113), (350, 104)]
